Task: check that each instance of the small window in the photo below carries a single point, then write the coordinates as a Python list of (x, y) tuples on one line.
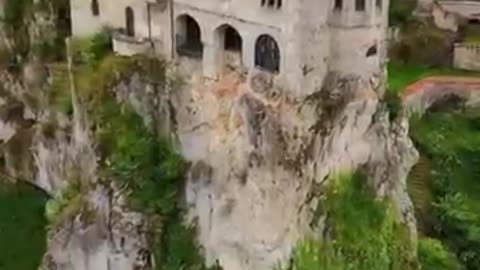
[(267, 54), (338, 5), (372, 51), (360, 5), (379, 4), (95, 8), (272, 3), (129, 22)]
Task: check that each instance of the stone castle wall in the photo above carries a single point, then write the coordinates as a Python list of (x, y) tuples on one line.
[(313, 38)]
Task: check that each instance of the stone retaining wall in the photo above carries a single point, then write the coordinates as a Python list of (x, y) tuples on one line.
[(467, 56)]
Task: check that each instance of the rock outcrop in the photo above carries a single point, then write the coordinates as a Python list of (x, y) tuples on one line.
[(54, 151), (260, 160)]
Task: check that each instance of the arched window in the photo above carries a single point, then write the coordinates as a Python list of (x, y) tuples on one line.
[(272, 3), (338, 5), (232, 40), (129, 22), (360, 5), (95, 8), (267, 53), (188, 37)]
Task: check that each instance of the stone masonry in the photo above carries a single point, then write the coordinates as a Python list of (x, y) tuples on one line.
[(304, 39)]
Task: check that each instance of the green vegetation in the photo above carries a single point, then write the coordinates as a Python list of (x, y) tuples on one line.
[(22, 227), (68, 203), (134, 156), (364, 233), (451, 143), (433, 255), (400, 11), (17, 18), (402, 75), (471, 32)]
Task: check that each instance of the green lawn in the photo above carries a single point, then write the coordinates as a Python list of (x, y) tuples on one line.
[(400, 76), (22, 227)]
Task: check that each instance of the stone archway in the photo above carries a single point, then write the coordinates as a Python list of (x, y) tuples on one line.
[(267, 54), (229, 44), (188, 37)]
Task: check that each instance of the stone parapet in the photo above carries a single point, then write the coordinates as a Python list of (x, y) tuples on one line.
[(128, 46), (467, 56)]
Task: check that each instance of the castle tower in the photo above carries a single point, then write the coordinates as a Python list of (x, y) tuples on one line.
[(358, 36)]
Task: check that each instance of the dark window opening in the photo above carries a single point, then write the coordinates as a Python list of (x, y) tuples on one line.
[(64, 22), (267, 54), (379, 3), (338, 5), (95, 8), (360, 5), (474, 21), (233, 41), (129, 22), (188, 38), (272, 3), (372, 51)]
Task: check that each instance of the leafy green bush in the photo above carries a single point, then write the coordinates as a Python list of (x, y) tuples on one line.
[(66, 204), (401, 11), (394, 104), (452, 142), (23, 235), (143, 162), (93, 49), (433, 255), (364, 233), (422, 43)]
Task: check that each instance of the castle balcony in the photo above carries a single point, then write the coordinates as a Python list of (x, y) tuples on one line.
[(127, 45)]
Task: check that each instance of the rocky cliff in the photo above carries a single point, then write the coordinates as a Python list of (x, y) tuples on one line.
[(260, 161)]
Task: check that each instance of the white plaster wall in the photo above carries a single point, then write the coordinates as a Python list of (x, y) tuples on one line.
[(83, 21), (161, 30), (349, 48), (352, 37), (311, 36), (113, 15), (444, 19), (467, 56), (250, 11), (210, 22), (469, 9)]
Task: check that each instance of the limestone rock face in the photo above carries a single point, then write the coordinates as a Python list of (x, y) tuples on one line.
[(259, 159), (52, 151), (259, 163), (113, 238)]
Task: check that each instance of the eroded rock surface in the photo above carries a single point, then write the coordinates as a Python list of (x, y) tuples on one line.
[(53, 151), (259, 162), (260, 159)]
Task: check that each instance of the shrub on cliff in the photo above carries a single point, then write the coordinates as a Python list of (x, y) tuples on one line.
[(401, 11), (433, 255), (423, 44), (363, 232)]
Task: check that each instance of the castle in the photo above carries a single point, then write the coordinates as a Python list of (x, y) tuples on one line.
[(297, 42)]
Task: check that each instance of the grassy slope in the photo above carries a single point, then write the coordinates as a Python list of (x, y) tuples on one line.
[(400, 76), (22, 227)]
